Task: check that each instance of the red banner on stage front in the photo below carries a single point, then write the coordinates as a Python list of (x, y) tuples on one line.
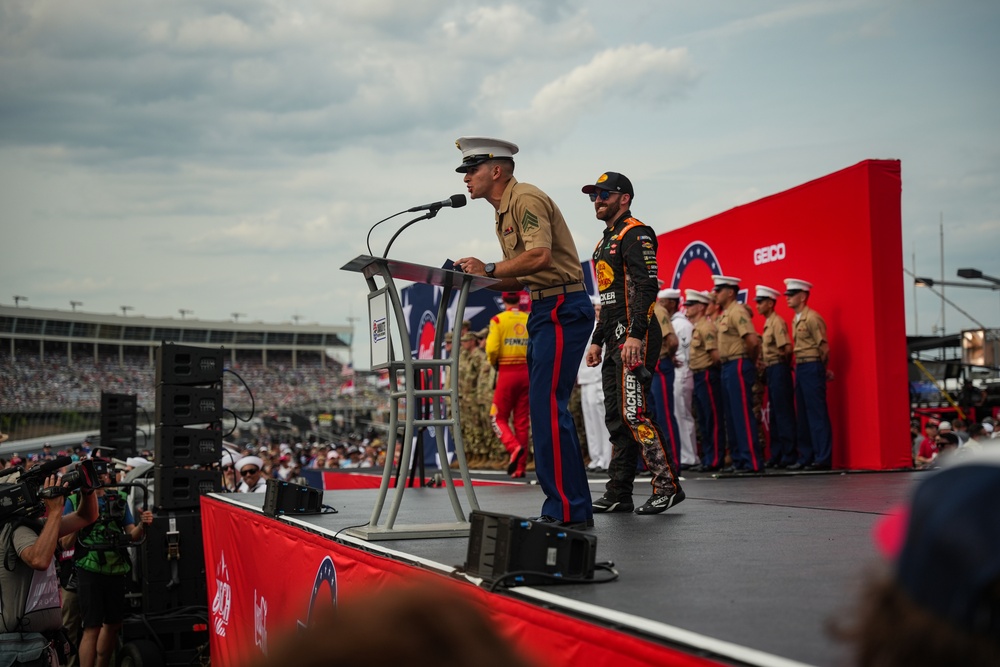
[(265, 577), (843, 234)]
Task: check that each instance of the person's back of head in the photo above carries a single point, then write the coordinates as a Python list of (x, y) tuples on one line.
[(940, 605)]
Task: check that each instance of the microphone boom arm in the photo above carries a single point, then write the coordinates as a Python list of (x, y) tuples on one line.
[(426, 216)]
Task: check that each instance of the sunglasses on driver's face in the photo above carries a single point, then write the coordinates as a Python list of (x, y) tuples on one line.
[(603, 194)]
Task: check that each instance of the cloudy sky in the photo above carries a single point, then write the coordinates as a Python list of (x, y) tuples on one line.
[(230, 155)]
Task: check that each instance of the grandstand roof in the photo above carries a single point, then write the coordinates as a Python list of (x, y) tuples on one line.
[(25, 323)]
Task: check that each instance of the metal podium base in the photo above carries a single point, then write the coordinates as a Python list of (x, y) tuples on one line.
[(410, 532)]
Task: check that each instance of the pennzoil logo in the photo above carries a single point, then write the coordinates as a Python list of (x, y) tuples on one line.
[(605, 275)]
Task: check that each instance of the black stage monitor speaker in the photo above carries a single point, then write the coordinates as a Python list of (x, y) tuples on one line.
[(182, 488), (285, 498), (178, 405), (521, 551), (187, 364), (178, 446)]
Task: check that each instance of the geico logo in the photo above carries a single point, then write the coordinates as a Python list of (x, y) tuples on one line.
[(769, 254)]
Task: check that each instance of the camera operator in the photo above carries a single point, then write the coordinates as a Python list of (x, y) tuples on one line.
[(102, 566), (29, 585)]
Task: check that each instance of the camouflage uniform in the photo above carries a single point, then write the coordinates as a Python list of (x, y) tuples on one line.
[(468, 373)]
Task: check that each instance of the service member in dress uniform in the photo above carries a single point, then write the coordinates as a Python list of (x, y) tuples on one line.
[(706, 369), (539, 254), (662, 390), (812, 352), (775, 365), (739, 347)]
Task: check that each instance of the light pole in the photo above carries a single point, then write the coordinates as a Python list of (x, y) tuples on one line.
[(976, 274), (184, 311), (74, 304), (237, 316), (930, 283), (296, 318), (18, 299), (125, 310)]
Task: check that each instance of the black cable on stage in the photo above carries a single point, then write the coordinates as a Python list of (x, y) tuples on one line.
[(553, 579)]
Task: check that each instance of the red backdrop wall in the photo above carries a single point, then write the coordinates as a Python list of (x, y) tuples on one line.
[(842, 233)]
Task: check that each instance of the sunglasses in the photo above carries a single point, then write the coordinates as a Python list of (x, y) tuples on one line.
[(603, 194), (247, 473)]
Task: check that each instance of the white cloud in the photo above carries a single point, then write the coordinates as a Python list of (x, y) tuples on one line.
[(635, 74)]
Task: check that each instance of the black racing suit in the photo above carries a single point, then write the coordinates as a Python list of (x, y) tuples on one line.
[(625, 264)]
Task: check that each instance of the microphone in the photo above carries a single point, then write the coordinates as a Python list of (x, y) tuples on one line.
[(455, 201), (50, 467)]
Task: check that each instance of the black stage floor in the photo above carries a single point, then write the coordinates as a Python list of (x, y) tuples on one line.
[(762, 563)]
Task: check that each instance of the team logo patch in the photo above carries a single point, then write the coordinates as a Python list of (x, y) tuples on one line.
[(605, 275), (646, 434)]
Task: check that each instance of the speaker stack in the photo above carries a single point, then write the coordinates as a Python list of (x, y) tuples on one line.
[(188, 441), (118, 424)]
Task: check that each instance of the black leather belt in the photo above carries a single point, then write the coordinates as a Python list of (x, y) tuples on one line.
[(546, 292)]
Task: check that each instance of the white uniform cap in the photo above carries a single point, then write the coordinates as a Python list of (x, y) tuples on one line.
[(476, 150), (764, 292), (668, 294), (725, 281), (988, 427), (249, 461), (796, 285), (694, 296), (227, 458), (944, 426), (135, 461)]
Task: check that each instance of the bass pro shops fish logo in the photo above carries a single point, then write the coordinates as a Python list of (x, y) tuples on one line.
[(326, 577), (605, 275), (223, 600)]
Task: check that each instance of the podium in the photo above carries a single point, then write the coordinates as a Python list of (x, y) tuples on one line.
[(383, 301)]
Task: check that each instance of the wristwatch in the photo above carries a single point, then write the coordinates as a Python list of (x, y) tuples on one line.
[(490, 268)]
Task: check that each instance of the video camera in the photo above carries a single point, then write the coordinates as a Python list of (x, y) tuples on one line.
[(24, 496)]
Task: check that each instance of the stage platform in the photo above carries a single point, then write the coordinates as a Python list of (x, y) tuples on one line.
[(747, 570)]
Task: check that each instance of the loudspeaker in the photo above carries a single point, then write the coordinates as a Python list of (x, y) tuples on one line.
[(118, 404), (173, 563), (182, 488), (178, 446), (118, 423), (502, 544), (286, 498), (177, 405), (189, 365)]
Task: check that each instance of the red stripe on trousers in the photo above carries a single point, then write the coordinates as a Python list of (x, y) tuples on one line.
[(746, 413), (670, 424), (554, 410)]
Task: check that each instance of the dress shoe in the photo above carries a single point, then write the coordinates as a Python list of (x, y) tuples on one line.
[(818, 466), (796, 466), (572, 525)]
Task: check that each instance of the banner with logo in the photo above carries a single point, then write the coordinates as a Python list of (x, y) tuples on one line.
[(843, 234), (266, 578)]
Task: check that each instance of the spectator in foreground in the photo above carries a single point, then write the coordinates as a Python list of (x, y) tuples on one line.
[(940, 604)]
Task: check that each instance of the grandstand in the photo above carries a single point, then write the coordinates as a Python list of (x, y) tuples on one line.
[(54, 364)]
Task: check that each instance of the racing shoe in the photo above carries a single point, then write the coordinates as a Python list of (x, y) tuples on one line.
[(606, 504), (659, 503)]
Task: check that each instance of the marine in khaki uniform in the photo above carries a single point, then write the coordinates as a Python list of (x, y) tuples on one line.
[(539, 253), (706, 369), (739, 347), (775, 365), (812, 352)]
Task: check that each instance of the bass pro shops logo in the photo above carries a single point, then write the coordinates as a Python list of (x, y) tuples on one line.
[(326, 577), (222, 603)]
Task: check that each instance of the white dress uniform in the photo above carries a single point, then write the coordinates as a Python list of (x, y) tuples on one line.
[(684, 389)]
